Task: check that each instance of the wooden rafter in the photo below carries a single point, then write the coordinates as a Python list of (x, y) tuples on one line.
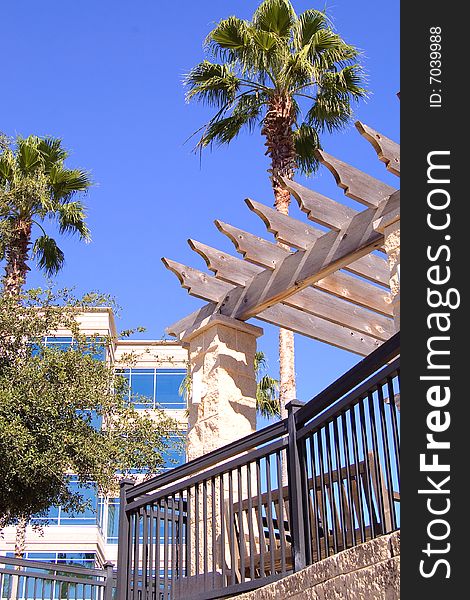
[(356, 184), (300, 235), (387, 150), (311, 300), (330, 252), (202, 286), (342, 285)]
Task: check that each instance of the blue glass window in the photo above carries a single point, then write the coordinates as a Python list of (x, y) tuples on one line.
[(155, 388), (168, 384), (175, 454), (113, 521)]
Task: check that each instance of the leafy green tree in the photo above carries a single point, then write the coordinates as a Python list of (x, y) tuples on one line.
[(49, 403), (292, 76), (35, 187)]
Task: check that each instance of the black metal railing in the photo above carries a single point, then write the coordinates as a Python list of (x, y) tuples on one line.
[(322, 480), (24, 579)]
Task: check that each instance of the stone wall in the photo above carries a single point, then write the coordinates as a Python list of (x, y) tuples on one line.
[(370, 571)]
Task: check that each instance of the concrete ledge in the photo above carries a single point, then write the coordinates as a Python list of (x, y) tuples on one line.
[(370, 571)]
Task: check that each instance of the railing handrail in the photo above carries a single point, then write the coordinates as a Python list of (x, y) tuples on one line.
[(201, 463), (347, 382), (39, 564)]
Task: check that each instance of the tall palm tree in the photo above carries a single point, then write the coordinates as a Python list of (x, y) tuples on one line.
[(294, 77), (35, 187)]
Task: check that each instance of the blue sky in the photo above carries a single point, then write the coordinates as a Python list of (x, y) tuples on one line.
[(106, 77)]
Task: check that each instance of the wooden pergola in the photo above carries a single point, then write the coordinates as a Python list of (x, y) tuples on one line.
[(332, 286)]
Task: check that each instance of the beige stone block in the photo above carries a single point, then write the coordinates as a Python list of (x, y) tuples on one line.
[(377, 582), (394, 544)]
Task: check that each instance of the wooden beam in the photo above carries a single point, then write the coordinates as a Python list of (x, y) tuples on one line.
[(342, 285), (355, 183), (387, 150), (282, 316), (259, 251), (285, 229), (297, 271), (239, 272), (319, 209), (199, 284), (319, 329), (296, 234)]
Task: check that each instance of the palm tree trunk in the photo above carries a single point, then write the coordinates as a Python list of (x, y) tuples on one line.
[(16, 269), (277, 129), (20, 540), (17, 253)]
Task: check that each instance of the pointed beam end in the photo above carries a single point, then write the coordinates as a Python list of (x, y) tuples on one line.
[(175, 267), (200, 249)]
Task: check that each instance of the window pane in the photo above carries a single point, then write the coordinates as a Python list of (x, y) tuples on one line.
[(113, 521), (168, 383), (142, 388), (175, 454), (89, 515)]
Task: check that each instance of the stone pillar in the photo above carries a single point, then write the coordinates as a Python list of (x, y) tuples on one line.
[(389, 226), (223, 395)]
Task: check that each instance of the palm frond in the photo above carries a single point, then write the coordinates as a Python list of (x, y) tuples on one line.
[(65, 183), (49, 256), (7, 167), (229, 40), (52, 152), (306, 140), (223, 130), (275, 16), (212, 83), (267, 399), (72, 219), (28, 156), (307, 25)]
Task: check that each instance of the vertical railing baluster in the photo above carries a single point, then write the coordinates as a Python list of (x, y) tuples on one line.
[(174, 542), (231, 527), (262, 544), (388, 468), (368, 486), (340, 483), (360, 504), (377, 474), (241, 533), (222, 530), (165, 548), (123, 565), (269, 515), (315, 507), (251, 533), (296, 489), (281, 511), (331, 495), (213, 532), (352, 524), (326, 529), (205, 541)]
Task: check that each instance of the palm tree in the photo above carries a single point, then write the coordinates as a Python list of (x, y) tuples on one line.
[(267, 397), (294, 77), (35, 186)]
